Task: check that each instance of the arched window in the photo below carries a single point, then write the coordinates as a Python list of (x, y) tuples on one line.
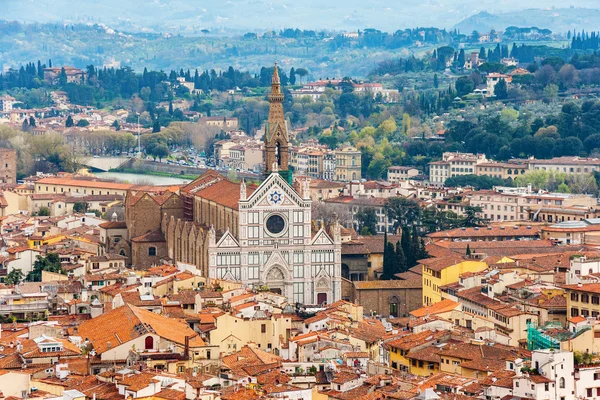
[(122, 253), (152, 251), (149, 343), (561, 383)]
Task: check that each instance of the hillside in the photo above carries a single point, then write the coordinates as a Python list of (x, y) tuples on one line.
[(557, 20)]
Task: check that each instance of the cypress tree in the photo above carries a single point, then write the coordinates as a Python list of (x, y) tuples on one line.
[(405, 242), (468, 250), (401, 259)]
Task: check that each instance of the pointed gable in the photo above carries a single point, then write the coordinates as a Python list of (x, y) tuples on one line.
[(275, 191), (227, 240), (321, 237)]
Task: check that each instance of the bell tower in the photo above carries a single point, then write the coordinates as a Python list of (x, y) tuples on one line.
[(276, 135)]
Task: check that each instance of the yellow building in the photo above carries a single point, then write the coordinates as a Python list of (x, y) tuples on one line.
[(583, 300), (37, 240), (401, 348), (445, 271), (232, 332), (347, 164), (176, 283)]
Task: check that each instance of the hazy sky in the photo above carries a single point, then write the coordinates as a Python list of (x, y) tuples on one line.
[(269, 14)]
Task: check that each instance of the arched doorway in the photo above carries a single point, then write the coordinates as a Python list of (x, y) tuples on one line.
[(394, 306), (275, 280), (149, 343)]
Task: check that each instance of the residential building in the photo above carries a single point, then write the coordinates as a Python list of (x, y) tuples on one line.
[(583, 299), (566, 164), (225, 123), (506, 170), (442, 271), (492, 80), (6, 103), (348, 164), (73, 75), (397, 173), (454, 164)]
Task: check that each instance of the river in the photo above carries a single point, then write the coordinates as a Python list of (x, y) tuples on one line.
[(141, 178)]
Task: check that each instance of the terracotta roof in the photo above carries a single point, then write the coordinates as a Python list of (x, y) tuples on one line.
[(577, 319), (113, 225), (436, 308), (85, 183), (488, 231), (129, 322)]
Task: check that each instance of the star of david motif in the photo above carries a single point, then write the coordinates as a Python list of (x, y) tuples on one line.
[(275, 197)]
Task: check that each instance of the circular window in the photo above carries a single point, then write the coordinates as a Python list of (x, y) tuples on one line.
[(275, 224)]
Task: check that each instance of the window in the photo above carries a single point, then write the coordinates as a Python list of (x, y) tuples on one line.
[(546, 387), (253, 232), (589, 393), (275, 224), (561, 383), (298, 271), (253, 273), (299, 293), (263, 328), (517, 384), (253, 258), (584, 298), (151, 251)]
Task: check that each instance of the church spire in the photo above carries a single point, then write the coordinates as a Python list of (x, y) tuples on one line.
[(276, 135)]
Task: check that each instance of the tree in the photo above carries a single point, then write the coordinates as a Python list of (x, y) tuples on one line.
[(14, 277), (464, 85), (292, 76), (436, 82), (116, 125), (50, 263), (472, 218), (32, 122), (400, 259), (80, 207), (389, 260), (404, 212), (302, 72), (82, 123), (69, 123), (156, 126), (44, 211), (367, 221), (501, 90), (468, 253)]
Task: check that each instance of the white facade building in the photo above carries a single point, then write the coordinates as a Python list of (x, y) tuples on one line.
[(276, 248)]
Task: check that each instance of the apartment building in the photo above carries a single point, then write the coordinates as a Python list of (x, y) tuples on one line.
[(524, 205), (398, 174), (567, 164), (348, 164), (501, 170), (6, 103), (454, 164)]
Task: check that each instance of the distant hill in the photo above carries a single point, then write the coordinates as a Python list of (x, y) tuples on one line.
[(558, 20), (191, 16)]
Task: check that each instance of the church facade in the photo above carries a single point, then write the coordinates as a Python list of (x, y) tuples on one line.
[(276, 248), (262, 237)]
